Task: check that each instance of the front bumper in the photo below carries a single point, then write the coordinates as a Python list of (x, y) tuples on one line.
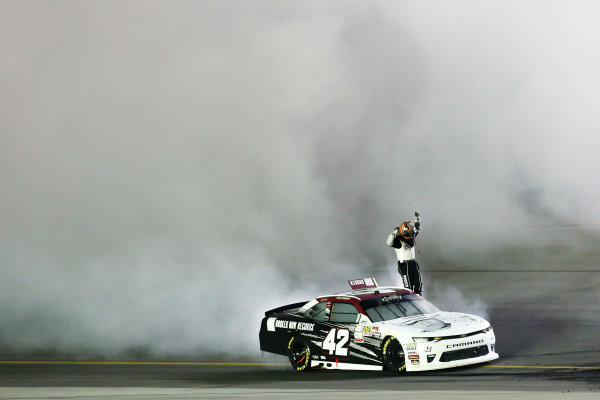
[(450, 353)]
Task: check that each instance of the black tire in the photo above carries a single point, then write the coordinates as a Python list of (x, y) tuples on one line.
[(393, 355), (299, 354)]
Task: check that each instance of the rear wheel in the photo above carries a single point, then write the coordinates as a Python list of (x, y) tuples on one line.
[(299, 354), (393, 355)]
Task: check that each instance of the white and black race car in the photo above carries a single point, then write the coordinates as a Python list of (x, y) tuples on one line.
[(375, 328)]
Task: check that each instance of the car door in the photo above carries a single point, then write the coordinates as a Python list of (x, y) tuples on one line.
[(352, 337), (343, 318), (340, 334)]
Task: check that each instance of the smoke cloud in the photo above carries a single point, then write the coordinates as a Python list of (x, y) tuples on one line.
[(169, 171)]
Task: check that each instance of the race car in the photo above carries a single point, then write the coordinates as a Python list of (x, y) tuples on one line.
[(375, 328)]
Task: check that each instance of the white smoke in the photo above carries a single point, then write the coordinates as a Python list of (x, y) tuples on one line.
[(450, 298), (170, 171)]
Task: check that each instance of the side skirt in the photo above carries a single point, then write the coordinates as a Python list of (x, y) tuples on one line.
[(344, 366)]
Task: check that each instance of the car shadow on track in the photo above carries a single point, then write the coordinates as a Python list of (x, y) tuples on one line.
[(265, 375)]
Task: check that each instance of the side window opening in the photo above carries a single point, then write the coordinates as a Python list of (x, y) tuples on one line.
[(344, 313), (317, 312)]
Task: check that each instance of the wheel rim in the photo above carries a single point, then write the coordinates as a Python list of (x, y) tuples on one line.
[(395, 356), (299, 353)]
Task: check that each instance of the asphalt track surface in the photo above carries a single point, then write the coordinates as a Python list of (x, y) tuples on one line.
[(547, 329), (506, 378)]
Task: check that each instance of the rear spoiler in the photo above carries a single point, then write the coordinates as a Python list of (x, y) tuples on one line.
[(285, 308)]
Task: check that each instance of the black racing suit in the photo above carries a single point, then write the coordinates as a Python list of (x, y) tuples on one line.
[(411, 275), (408, 268)]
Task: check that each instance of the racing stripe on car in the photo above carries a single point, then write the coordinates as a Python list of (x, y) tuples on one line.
[(368, 353), (368, 358)]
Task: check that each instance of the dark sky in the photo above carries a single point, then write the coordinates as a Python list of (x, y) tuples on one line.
[(169, 170)]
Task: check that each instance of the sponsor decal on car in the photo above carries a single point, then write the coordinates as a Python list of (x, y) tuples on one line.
[(415, 362), (369, 331), (271, 324), (364, 283), (388, 299), (280, 323), (411, 346), (300, 326), (305, 326), (451, 346), (413, 356)]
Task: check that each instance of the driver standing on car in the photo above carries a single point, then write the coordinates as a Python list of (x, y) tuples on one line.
[(402, 239)]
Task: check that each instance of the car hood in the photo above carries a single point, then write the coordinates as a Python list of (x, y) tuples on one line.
[(438, 324)]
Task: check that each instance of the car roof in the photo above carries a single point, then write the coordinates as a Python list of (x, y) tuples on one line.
[(364, 294)]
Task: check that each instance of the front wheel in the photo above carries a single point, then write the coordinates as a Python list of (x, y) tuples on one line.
[(299, 354), (393, 355)]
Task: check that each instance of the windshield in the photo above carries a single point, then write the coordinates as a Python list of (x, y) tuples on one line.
[(397, 306)]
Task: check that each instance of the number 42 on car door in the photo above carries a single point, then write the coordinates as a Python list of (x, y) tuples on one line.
[(337, 342)]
